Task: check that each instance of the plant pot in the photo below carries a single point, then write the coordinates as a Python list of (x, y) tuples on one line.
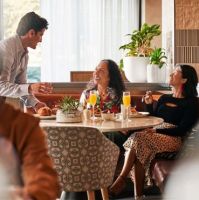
[(72, 116), (156, 74), (136, 68)]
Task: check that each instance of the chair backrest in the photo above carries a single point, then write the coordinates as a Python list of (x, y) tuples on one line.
[(84, 158), (81, 76)]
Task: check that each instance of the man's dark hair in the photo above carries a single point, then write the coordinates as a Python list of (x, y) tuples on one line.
[(31, 21)]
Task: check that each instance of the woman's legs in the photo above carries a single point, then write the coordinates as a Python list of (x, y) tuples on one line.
[(138, 179), (119, 183)]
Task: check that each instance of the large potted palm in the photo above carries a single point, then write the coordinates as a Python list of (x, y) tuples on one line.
[(137, 52)]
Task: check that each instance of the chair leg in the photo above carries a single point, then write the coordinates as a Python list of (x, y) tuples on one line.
[(91, 195), (104, 192)]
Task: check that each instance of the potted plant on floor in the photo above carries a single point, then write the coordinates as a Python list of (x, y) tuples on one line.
[(138, 51), (156, 68), (69, 110)]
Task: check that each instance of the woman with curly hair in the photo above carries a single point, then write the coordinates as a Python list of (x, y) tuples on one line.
[(109, 86)]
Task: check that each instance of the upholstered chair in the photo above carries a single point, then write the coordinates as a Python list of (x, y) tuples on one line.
[(84, 159)]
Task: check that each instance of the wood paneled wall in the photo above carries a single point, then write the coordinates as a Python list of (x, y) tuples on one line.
[(187, 32)]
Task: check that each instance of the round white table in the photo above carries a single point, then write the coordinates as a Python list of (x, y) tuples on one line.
[(108, 126)]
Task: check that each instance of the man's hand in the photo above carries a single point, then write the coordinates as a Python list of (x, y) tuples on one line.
[(44, 88), (39, 105)]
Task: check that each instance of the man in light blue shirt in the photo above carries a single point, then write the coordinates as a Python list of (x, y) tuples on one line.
[(14, 61)]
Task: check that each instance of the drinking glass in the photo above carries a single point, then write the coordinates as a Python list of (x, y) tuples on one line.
[(92, 101), (126, 102)]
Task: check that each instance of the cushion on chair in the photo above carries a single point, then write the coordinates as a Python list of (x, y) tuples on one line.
[(160, 171)]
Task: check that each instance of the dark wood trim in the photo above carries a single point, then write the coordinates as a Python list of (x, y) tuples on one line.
[(140, 14)]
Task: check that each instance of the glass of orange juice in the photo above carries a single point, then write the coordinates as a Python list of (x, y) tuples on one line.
[(126, 102), (126, 99), (93, 100)]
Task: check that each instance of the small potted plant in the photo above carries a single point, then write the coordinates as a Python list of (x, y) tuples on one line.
[(69, 110), (137, 52), (155, 69)]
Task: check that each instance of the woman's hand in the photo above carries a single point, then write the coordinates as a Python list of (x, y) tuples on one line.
[(148, 98)]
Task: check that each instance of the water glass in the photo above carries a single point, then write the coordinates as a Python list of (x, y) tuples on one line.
[(124, 112)]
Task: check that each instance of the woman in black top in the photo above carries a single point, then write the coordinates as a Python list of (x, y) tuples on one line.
[(179, 111)]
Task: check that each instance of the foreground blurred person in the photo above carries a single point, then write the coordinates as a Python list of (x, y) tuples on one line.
[(14, 60), (38, 178), (179, 111), (185, 175)]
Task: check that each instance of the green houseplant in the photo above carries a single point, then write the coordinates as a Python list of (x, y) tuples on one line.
[(155, 70), (137, 52), (69, 110), (140, 44), (69, 104), (158, 57)]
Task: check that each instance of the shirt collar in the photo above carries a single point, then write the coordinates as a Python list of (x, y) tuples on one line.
[(20, 47)]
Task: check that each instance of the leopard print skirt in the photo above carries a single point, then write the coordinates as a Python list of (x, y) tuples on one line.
[(147, 144)]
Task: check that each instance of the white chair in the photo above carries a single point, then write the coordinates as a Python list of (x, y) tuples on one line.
[(84, 159)]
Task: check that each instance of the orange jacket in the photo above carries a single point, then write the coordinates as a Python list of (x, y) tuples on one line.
[(39, 177)]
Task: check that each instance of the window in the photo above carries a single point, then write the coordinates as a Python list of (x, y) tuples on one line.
[(80, 33)]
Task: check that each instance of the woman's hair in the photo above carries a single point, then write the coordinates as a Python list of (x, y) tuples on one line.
[(115, 78), (31, 21), (189, 87)]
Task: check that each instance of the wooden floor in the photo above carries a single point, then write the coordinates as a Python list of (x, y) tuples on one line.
[(150, 194)]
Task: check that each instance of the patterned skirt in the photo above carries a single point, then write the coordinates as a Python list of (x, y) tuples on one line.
[(146, 145)]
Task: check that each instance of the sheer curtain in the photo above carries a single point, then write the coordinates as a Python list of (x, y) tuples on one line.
[(82, 32)]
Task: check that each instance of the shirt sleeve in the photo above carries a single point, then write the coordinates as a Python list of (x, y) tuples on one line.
[(11, 88), (29, 100)]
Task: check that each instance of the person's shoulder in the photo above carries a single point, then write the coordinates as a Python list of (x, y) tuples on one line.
[(9, 44), (17, 116), (194, 101), (9, 40), (165, 97)]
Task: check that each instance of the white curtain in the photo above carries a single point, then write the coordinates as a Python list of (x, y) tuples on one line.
[(82, 32), (1, 19)]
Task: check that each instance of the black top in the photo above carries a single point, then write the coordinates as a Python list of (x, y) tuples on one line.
[(181, 112)]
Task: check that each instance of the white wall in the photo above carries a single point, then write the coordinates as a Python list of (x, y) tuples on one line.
[(168, 33)]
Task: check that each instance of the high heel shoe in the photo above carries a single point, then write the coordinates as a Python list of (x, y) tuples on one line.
[(117, 187)]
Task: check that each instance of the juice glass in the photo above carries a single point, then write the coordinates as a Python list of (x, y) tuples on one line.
[(92, 100), (126, 99), (126, 105)]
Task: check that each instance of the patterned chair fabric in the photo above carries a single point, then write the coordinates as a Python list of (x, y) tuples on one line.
[(84, 158)]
